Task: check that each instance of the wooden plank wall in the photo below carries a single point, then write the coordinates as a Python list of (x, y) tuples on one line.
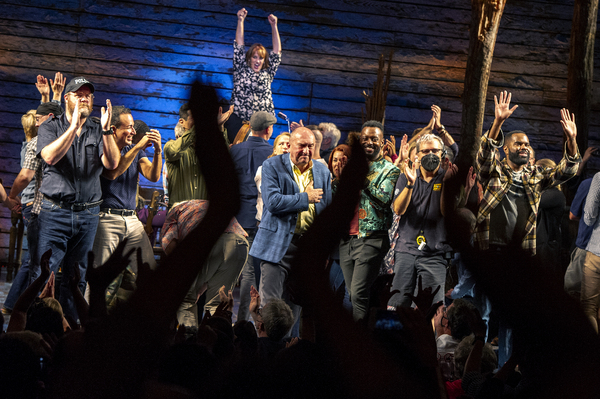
[(144, 54)]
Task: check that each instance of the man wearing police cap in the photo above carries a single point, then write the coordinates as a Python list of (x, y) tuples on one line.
[(75, 149), (247, 157)]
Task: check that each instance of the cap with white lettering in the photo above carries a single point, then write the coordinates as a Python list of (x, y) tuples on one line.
[(76, 83)]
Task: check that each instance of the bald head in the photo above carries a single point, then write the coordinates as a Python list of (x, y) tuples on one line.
[(301, 132), (302, 145)]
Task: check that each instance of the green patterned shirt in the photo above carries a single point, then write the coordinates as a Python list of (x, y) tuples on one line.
[(374, 212)]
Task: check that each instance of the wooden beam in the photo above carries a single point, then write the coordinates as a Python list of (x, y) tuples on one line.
[(581, 66), (485, 20)]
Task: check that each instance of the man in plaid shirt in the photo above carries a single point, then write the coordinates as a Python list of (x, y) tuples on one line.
[(512, 189), (30, 174)]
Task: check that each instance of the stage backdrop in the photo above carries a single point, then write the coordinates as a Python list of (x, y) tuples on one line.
[(144, 54)]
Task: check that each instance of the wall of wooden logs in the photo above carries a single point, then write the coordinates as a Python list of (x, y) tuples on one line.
[(144, 53)]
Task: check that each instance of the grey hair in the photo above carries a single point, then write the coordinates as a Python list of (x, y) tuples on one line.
[(428, 138), (277, 318), (178, 130), (330, 130)]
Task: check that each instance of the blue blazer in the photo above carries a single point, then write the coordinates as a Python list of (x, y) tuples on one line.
[(282, 202)]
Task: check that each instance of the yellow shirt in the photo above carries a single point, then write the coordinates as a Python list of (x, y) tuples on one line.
[(305, 218)]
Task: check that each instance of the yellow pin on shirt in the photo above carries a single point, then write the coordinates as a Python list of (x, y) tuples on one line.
[(437, 187)]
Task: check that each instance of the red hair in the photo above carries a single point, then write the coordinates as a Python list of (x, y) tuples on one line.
[(340, 148), (262, 52)]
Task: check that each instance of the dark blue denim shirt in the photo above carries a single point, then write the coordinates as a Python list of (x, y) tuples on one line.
[(76, 177), (247, 157)]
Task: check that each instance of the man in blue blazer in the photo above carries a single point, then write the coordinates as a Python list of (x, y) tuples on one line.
[(294, 190)]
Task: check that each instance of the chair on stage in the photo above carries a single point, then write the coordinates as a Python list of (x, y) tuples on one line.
[(152, 215)]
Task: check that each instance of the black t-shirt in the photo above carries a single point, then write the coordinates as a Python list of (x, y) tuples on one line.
[(423, 213), (508, 219)]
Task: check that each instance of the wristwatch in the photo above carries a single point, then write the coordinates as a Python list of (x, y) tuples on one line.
[(108, 132)]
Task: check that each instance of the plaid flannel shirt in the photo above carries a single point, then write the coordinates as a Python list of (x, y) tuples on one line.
[(34, 163), (496, 178)]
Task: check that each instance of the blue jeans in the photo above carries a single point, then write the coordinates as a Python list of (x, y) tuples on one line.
[(28, 270), (70, 235)]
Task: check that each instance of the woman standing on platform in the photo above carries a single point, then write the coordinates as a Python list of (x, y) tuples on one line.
[(253, 73)]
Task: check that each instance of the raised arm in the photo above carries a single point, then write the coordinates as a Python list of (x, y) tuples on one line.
[(42, 85), (584, 160), (151, 170), (568, 124), (239, 32), (275, 34), (501, 113), (442, 132), (402, 153), (111, 154), (58, 85), (403, 199), (254, 304)]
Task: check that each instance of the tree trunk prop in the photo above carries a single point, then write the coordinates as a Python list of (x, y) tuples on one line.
[(581, 66), (485, 21)]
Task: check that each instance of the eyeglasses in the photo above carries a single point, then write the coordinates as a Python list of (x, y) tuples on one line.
[(432, 150)]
